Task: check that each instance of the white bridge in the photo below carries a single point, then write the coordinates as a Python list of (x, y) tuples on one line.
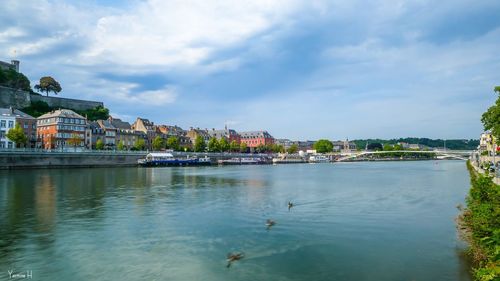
[(440, 154)]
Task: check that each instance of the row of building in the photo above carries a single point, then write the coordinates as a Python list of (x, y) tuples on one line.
[(60, 128)]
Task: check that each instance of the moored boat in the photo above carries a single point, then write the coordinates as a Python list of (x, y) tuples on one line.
[(167, 159), (318, 159), (241, 161)]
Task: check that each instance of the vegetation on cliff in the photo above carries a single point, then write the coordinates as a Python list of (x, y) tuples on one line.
[(480, 226), (13, 79), (38, 108)]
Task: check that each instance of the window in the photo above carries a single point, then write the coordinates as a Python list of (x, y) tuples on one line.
[(25, 125), (2, 124), (2, 144), (9, 145), (11, 124)]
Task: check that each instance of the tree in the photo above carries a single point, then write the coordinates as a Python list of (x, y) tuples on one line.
[(277, 148), (293, 149), (140, 144), (157, 143), (376, 146), (75, 140), (323, 146), (234, 146), (99, 144), (491, 118), (173, 143), (243, 147), (388, 147), (48, 84), (223, 145), (213, 145), (121, 145), (199, 144), (17, 135), (97, 113), (261, 148)]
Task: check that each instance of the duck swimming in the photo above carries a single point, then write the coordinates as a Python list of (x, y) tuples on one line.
[(290, 205), (270, 223), (232, 257)]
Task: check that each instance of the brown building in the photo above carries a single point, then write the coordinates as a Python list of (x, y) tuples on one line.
[(148, 128), (193, 133), (56, 128)]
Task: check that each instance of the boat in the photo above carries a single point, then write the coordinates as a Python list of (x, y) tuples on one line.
[(288, 159), (319, 159), (167, 159), (241, 161)]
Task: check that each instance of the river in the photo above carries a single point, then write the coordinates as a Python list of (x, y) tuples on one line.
[(351, 221)]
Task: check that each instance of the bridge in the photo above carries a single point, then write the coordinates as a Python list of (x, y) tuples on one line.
[(440, 154)]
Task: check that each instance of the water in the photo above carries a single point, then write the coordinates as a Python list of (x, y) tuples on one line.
[(353, 221)]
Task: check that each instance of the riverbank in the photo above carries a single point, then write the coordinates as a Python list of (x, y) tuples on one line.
[(479, 225)]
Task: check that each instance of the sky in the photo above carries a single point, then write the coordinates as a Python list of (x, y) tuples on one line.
[(299, 69)]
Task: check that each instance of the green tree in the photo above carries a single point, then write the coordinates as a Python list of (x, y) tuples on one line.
[(17, 135), (234, 146), (243, 147), (120, 145), (97, 113), (491, 118), (199, 144), (398, 147), (293, 149), (323, 146), (388, 147), (13, 79), (75, 140), (99, 144), (48, 84), (173, 143), (261, 148), (277, 148), (213, 145), (157, 143), (140, 144), (223, 145)]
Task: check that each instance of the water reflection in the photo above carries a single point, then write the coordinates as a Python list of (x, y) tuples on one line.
[(177, 222)]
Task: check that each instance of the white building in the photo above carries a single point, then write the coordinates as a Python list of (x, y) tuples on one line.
[(7, 122)]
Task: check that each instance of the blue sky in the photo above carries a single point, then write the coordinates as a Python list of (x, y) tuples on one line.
[(299, 69)]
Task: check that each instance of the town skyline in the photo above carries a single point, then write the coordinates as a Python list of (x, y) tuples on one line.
[(299, 70)]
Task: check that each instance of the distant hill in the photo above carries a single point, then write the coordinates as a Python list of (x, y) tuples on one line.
[(458, 144)]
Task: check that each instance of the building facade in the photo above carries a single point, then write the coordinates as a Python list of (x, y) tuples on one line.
[(61, 128), (254, 139), (228, 134), (7, 122)]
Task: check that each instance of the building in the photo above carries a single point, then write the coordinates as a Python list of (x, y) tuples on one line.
[(174, 131), (27, 122), (229, 134), (93, 133), (7, 122), (193, 133), (256, 138), (487, 143), (343, 146), (56, 128), (148, 128), (14, 65), (109, 133)]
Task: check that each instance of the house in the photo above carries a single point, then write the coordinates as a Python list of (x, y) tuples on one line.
[(9, 117), (193, 133), (56, 128), (109, 133), (174, 131), (229, 134), (148, 128), (343, 146), (93, 133), (487, 143), (256, 138)]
